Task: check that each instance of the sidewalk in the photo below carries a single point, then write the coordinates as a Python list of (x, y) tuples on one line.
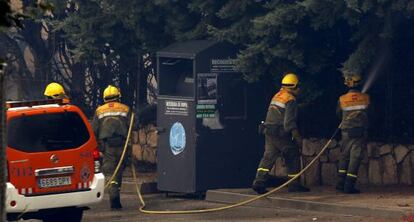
[(388, 204), (383, 203)]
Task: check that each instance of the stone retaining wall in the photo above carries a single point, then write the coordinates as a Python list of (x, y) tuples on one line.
[(144, 146), (382, 164)]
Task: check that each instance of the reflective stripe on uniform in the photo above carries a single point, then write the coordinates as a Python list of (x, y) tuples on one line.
[(341, 171), (124, 114), (114, 182), (263, 169), (281, 98), (358, 107), (276, 103), (351, 175), (292, 175), (113, 108)]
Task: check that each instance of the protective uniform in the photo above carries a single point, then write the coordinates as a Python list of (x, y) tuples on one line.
[(282, 137), (110, 125), (353, 109), (55, 91)]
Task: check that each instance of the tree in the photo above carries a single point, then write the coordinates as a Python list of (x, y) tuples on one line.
[(3, 134), (111, 37), (8, 18), (320, 40), (100, 42), (5, 21)]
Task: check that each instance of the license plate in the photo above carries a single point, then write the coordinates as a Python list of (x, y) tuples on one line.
[(54, 182)]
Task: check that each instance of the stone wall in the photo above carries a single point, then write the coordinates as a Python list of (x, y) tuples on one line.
[(382, 164), (144, 144)]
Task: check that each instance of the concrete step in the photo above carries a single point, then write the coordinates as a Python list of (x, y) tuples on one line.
[(307, 202)]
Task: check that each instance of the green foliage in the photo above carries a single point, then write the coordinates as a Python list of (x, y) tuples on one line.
[(8, 18), (5, 14), (311, 37), (46, 6)]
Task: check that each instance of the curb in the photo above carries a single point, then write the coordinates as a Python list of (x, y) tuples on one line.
[(279, 202)]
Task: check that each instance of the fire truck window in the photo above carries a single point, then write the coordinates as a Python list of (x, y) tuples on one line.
[(47, 132)]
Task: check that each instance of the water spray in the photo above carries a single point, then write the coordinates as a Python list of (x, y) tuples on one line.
[(375, 70)]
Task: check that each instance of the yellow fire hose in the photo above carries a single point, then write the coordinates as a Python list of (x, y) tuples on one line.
[(143, 205)]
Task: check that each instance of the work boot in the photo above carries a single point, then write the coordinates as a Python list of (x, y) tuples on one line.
[(116, 206), (259, 187), (295, 186), (115, 203), (349, 186), (341, 182)]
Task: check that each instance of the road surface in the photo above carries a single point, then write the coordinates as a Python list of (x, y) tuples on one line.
[(130, 212)]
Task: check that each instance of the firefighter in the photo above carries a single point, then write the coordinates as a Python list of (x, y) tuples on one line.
[(55, 91), (110, 125), (353, 110), (282, 137)]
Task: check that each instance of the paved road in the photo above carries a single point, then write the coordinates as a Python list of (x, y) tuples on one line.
[(130, 212)]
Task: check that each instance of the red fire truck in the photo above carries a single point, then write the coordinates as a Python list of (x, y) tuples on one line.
[(53, 169)]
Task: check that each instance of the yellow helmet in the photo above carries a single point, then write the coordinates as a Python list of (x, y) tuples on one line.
[(352, 79), (290, 81), (54, 91), (111, 93)]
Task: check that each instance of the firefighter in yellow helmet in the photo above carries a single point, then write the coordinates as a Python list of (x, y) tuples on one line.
[(282, 137), (353, 110), (110, 124), (55, 91)]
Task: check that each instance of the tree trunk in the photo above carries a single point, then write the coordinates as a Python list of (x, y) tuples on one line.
[(142, 84), (77, 89), (3, 135)]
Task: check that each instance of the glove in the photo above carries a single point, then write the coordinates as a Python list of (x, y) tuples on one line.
[(297, 137)]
